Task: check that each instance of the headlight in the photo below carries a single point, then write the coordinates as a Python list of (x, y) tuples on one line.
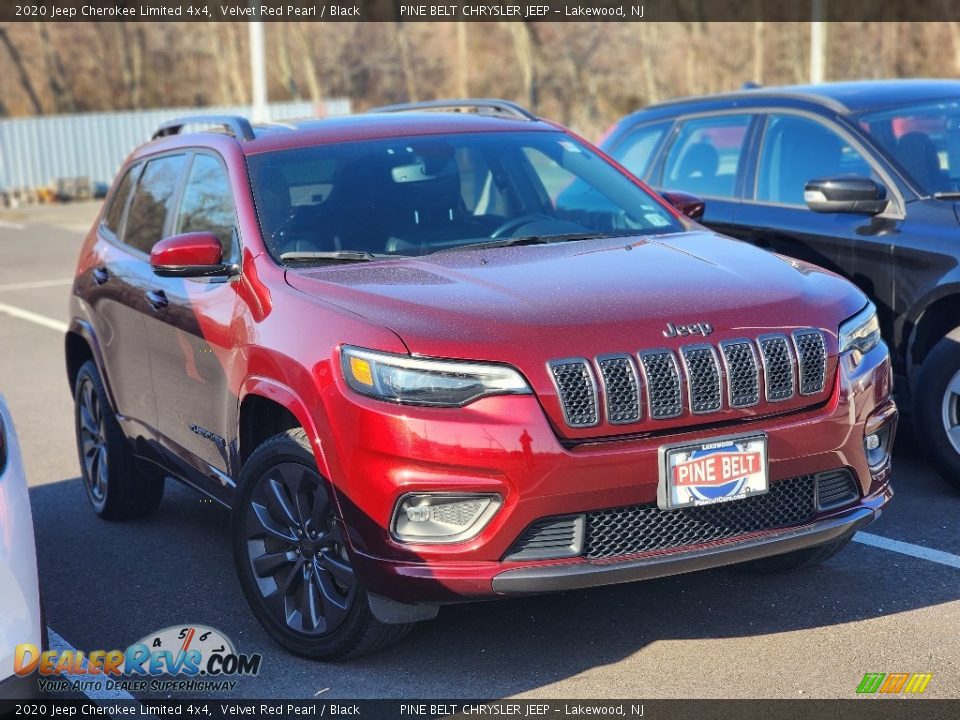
[(861, 333), (441, 518), (419, 381)]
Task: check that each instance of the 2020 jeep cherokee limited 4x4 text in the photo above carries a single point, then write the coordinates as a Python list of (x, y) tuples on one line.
[(419, 372)]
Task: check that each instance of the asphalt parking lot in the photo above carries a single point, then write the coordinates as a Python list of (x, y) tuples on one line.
[(877, 607)]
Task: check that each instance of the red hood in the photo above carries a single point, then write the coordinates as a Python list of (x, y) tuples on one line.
[(529, 304)]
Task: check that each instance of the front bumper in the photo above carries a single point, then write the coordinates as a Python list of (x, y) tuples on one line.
[(552, 578), (505, 445)]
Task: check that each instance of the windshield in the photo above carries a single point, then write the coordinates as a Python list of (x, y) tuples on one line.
[(414, 196), (924, 140)]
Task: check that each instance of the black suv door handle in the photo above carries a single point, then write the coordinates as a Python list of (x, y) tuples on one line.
[(100, 275), (157, 299)]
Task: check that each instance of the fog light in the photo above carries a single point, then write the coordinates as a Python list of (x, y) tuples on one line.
[(877, 446), (442, 518)]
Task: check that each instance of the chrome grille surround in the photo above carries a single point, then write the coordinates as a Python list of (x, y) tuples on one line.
[(778, 367), (695, 379), (621, 389), (661, 376), (812, 360), (577, 391), (702, 368), (742, 371)]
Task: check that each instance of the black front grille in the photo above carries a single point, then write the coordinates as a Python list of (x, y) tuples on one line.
[(621, 388), (778, 367), (663, 383), (646, 528), (577, 392), (703, 378), (812, 357)]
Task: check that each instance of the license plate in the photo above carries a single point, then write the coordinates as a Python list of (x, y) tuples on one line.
[(714, 471)]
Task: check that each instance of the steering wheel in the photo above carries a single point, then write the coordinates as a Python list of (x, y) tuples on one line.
[(507, 228)]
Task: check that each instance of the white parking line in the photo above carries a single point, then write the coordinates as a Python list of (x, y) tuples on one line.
[(917, 551), (36, 284), (59, 644), (33, 317), (12, 225)]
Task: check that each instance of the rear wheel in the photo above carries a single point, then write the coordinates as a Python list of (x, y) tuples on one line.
[(797, 559), (936, 407), (117, 488), (291, 554)]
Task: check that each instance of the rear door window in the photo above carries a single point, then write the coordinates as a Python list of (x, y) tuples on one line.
[(118, 203), (147, 217), (706, 156), (207, 203)]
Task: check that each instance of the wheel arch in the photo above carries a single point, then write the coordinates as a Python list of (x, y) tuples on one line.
[(267, 407), (80, 345), (933, 320)]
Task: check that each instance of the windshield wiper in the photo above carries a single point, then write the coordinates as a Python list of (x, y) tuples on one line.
[(329, 256), (947, 195), (528, 240)]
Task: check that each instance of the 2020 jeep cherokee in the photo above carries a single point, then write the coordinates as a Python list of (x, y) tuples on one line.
[(419, 372)]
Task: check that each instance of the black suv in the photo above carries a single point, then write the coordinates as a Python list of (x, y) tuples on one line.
[(862, 178)]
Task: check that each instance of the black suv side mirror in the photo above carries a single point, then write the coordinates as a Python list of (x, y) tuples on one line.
[(845, 194)]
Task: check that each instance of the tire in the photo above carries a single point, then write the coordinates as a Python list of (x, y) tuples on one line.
[(936, 407), (796, 560), (116, 486), (290, 550)]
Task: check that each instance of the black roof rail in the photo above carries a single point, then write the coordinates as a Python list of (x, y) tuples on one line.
[(238, 126), (489, 106)]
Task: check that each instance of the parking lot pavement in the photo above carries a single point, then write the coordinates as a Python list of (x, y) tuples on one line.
[(813, 633)]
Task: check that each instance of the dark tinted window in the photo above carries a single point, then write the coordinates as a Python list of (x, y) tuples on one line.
[(118, 202), (796, 150), (637, 150), (705, 157), (414, 196), (924, 140), (207, 203), (152, 201)]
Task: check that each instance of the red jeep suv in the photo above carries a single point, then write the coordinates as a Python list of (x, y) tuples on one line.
[(449, 352)]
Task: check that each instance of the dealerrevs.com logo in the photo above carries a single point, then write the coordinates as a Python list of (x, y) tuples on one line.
[(199, 657)]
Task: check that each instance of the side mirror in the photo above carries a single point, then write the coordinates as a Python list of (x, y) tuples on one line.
[(690, 205), (848, 194), (197, 254)]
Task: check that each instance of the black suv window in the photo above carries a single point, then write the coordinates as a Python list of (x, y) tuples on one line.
[(118, 203), (705, 157), (796, 150), (207, 203), (636, 150), (152, 201)]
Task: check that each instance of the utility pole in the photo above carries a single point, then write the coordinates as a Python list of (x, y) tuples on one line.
[(258, 72), (818, 42)]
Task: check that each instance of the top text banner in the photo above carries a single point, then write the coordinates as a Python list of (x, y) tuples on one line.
[(479, 11)]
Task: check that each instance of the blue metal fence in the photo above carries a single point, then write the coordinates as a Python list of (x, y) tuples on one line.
[(36, 152)]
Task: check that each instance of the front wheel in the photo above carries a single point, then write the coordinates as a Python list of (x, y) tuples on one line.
[(290, 550), (936, 407)]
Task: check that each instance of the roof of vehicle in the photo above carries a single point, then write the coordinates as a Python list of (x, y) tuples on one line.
[(841, 97), (431, 118)]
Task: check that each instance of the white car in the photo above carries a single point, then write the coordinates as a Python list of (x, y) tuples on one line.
[(20, 617)]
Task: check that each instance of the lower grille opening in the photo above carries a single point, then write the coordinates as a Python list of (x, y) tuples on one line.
[(644, 528)]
